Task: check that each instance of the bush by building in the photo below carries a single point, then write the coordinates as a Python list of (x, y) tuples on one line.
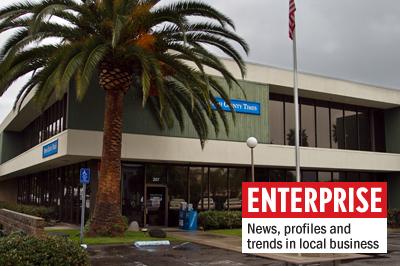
[(393, 218), (39, 211), (209, 220), (17, 249)]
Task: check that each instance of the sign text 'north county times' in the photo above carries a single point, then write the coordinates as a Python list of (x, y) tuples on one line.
[(240, 106)]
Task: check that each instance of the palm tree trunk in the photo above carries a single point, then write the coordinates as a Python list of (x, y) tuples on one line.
[(107, 218)]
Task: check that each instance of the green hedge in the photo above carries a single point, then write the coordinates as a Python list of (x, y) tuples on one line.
[(209, 220), (17, 249), (39, 211)]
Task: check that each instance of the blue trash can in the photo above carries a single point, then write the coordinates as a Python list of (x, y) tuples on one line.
[(191, 220)]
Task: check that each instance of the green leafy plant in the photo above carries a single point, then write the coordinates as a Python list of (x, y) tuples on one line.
[(210, 220), (46, 213), (17, 249)]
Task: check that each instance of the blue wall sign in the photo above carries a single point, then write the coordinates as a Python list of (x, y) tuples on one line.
[(84, 175), (50, 149), (239, 106)]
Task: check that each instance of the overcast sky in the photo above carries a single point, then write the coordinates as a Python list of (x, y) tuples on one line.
[(355, 40)]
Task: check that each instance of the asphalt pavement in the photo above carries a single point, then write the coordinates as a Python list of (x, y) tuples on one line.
[(190, 254)]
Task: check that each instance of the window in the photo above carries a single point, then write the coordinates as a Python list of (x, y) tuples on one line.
[(218, 188), (276, 122), (236, 177), (57, 188), (261, 174), (325, 124), (338, 176), (291, 176), (324, 176), (307, 136), (195, 181), (289, 124), (350, 129), (378, 126), (364, 129), (323, 134), (177, 185), (277, 175), (353, 177), (205, 185), (337, 128), (309, 176), (49, 123), (366, 177), (177, 192)]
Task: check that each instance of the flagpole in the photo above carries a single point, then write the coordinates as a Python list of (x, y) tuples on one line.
[(296, 109)]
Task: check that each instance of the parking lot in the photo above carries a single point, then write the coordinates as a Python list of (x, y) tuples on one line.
[(190, 254)]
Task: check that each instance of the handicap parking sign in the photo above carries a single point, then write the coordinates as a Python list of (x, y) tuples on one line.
[(85, 175)]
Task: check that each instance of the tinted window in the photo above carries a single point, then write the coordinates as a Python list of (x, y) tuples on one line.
[(350, 129), (338, 176), (324, 176), (205, 185), (289, 123), (261, 175), (218, 188), (177, 185), (236, 177), (195, 177), (277, 175), (307, 137), (276, 122), (291, 176), (352, 177), (337, 128), (177, 192), (323, 137), (364, 130), (309, 176), (366, 177)]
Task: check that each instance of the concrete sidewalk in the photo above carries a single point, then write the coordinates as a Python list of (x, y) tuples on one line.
[(234, 243)]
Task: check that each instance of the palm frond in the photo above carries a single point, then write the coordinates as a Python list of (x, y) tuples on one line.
[(160, 47)]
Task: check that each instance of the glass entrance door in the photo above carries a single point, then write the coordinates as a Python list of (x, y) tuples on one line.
[(156, 205)]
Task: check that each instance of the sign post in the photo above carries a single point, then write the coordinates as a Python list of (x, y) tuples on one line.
[(84, 180)]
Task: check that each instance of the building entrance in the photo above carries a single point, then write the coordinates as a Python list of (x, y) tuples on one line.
[(156, 205)]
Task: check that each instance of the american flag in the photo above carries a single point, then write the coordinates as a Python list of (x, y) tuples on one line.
[(292, 20)]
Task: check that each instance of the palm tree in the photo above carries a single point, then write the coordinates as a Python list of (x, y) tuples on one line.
[(141, 45)]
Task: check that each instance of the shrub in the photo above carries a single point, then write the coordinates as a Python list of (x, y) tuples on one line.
[(39, 211), (220, 220), (17, 249), (393, 218)]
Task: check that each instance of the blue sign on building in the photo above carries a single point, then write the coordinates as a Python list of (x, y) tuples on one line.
[(239, 106), (85, 175), (50, 149)]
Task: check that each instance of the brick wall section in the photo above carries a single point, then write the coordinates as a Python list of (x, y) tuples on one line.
[(15, 221)]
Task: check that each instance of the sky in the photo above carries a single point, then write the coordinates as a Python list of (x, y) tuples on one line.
[(356, 40)]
